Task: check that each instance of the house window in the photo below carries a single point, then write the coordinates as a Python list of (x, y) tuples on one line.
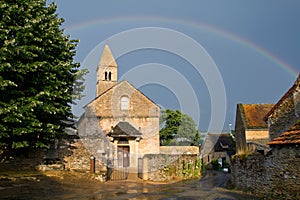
[(124, 103)]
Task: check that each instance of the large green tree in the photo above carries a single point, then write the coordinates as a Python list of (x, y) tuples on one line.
[(37, 74), (177, 129)]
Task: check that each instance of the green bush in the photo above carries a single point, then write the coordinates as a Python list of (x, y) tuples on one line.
[(215, 164)]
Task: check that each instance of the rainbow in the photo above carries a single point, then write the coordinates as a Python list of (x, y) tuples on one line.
[(196, 25)]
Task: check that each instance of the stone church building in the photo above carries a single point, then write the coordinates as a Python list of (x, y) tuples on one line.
[(121, 124)]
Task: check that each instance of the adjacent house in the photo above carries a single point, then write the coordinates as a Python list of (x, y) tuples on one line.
[(250, 127), (217, 147), (276, 174)]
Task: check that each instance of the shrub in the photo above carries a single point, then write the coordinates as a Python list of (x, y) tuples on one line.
[(215, 164)]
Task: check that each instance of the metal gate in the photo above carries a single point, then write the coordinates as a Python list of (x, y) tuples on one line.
[(116, 174)]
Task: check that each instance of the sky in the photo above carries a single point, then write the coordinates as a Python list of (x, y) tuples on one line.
[(200, 57)]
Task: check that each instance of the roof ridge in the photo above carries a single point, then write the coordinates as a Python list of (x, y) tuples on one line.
[(292, 88)]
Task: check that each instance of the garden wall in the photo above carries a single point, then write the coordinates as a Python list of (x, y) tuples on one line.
[(170, 167)]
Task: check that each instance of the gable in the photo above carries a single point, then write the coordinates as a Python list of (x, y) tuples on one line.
[(253, 115), (108, 104)]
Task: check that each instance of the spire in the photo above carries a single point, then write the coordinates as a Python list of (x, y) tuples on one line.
[(107, 59), (107, 71)]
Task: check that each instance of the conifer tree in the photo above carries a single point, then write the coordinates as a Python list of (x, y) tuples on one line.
[(37, 74)]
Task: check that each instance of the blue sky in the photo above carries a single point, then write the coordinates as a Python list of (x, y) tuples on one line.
[(254, 44)]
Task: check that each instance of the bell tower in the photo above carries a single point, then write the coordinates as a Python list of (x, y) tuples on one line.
[(107, 71)]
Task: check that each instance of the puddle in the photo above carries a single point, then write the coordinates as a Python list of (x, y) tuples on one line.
[(68, 186)]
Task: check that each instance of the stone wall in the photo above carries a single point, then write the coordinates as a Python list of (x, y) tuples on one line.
[(166, 167), (274, 176), (285, 115), (76, 155)]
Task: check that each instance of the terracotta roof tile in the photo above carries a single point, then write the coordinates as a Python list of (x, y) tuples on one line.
[(254, 115), (291, 136)]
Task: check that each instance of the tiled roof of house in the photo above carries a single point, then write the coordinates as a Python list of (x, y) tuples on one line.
[(291, 136), (224, 143), (253, 115), (286, 95), (124, 129), (217, 143)]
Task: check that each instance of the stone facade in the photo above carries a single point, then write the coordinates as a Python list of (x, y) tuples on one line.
[(285, 113), (275, 176)]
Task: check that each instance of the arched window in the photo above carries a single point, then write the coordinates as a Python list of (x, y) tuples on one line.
[(109, 76), (124, 103), (105, 78)]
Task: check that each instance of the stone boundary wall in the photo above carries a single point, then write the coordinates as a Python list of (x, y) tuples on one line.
[(179, 150), (76, 155), (274, 176), (170, 167)]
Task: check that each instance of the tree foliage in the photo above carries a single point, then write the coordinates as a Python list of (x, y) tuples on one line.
[(177, 129), (37, 74)]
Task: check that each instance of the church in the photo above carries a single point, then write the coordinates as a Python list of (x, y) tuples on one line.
[(121, 123)]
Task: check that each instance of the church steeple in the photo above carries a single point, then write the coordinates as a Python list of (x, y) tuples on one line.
[(107, 71)]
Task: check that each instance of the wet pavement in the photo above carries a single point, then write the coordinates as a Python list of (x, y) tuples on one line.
[(70, 186)]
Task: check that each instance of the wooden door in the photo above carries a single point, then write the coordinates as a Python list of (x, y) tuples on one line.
[(123, 156)]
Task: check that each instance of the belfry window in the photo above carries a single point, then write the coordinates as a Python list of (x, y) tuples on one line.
[(109, 76), (105, 76), (124, 103)]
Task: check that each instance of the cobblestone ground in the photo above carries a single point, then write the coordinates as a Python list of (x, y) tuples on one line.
[(58, 185)]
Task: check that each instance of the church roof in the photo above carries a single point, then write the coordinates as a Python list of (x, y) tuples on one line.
[(124, 130), (107, 58)]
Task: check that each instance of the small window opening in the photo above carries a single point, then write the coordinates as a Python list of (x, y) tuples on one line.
[(124, 103)]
